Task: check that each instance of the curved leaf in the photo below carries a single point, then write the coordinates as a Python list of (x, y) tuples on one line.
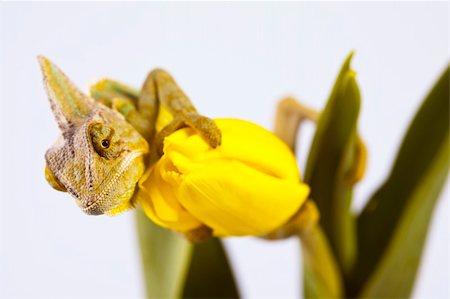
[(392, 227), (333, 156)]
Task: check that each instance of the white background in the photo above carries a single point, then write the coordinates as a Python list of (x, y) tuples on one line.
[(232, 59)]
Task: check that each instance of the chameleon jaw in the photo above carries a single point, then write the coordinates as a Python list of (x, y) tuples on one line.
[(105, 200)]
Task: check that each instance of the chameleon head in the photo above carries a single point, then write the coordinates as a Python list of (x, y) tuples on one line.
[(99, 157)]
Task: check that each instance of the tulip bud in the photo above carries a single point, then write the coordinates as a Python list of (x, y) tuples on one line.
[(249, 185)]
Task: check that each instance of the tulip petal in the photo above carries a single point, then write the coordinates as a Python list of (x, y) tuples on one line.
[(242, 141), (160, 203), (258, 147), (235, 199)]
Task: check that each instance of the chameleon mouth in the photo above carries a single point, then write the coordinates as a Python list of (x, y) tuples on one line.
[(102, 200)]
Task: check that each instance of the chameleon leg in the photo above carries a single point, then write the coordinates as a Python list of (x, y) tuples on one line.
[(124, 99), (193, 120), (321, 272), (105, 90), (141, 110), (289, 117), (161, 90)]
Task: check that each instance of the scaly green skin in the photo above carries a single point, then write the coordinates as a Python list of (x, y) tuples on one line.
[(104, 147)]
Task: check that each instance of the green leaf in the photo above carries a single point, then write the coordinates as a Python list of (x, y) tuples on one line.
[(175, 267), (165, 258), (332, 158), (392, 227), (321, 276), (210, 275)]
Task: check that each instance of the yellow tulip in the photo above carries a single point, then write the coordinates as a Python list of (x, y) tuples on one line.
[(249, 185)]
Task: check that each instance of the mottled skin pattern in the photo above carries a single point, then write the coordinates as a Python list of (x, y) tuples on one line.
[(159, 94), (106, 143)]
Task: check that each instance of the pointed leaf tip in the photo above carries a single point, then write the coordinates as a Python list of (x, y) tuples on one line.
[(332, 158), (347, 63)]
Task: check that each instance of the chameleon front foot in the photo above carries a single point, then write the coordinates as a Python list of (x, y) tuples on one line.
[(205, 126)]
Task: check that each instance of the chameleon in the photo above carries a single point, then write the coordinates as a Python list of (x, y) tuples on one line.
[(108, 139)]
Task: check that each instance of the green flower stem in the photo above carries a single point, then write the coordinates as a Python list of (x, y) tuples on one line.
[(321, 273)]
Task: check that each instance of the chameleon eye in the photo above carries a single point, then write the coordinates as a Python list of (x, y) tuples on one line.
[(105, 143)]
